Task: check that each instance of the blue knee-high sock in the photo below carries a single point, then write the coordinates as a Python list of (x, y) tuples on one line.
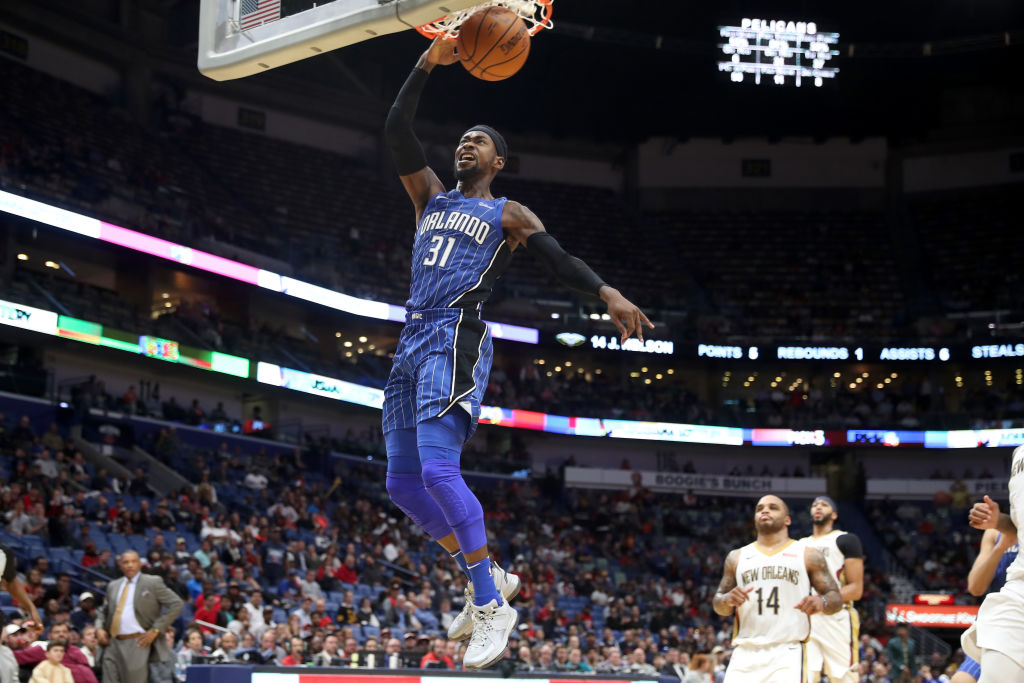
[(460, 560), (484, 589)]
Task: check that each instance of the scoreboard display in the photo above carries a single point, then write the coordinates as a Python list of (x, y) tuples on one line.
[(777, 51)]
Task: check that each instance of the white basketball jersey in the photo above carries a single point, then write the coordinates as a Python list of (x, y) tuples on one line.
[(1015, 572), (779, 581), (834, 557)]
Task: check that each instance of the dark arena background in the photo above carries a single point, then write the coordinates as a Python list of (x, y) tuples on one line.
[(202, 286)]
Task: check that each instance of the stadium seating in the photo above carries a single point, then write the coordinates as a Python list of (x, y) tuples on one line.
[(720, 274)]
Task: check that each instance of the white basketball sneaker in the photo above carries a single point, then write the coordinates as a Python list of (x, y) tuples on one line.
[(492, 626), (508, 585)]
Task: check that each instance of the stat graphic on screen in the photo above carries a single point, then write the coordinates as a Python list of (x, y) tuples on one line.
[(777, 51)]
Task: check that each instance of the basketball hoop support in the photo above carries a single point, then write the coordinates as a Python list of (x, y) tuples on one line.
[(226, 52)]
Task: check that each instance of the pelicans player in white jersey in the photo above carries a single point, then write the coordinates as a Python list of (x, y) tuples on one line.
[(833, 647), (768, 586), (997, 637)]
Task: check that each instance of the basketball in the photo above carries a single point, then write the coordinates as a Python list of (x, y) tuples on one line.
[(493, 43)]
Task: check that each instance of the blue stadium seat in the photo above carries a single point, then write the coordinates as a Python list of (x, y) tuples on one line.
[(61, 559), (371, 631)]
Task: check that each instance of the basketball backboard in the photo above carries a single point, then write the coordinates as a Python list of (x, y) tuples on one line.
[(241, 37)]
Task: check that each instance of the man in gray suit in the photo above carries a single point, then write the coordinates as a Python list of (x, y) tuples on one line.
[(138, 609)]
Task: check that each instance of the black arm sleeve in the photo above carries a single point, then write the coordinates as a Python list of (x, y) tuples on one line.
[(849, 545), (570, 271), (10, 569), (406, 149)]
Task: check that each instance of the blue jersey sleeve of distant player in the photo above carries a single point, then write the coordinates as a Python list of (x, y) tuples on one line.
[(999, 578), (971, 668)]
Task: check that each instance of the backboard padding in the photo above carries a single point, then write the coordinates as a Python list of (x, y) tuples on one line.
[(225, 52)]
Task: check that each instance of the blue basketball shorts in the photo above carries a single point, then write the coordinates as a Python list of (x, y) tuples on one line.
[(442, 363)]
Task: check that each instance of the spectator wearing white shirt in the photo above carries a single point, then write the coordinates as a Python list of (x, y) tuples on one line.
[(256, 481), (47, 465), (309, 586)]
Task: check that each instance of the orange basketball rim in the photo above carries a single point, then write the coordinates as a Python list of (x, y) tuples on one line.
[(536, 14)]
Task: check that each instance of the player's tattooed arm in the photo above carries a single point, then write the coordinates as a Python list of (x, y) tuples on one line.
[(730, 595), (828, 599)]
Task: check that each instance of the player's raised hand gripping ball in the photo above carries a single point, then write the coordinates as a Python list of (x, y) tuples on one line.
[(441, 52), (493, 43)]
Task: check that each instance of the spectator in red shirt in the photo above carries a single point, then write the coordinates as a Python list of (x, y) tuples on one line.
[(347, 571), (207, 607), (436, 658), (297, 656)]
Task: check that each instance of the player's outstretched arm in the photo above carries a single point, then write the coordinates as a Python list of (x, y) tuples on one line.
[(419, 180), (522, 226), (987, 562), (729, 595), (828, 600)]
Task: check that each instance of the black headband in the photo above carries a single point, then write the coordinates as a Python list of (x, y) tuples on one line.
[(500, 146)]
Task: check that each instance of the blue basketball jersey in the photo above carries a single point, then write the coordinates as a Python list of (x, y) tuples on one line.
[(459, 252)]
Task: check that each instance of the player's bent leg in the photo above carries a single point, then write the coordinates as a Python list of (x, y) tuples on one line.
[(404, 482), (405, 486), (440, 445), (997, 667)]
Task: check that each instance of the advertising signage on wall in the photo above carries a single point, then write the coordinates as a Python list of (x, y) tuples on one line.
[(931, 616)]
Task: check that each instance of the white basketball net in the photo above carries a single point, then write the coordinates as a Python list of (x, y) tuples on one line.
[(536, 14)]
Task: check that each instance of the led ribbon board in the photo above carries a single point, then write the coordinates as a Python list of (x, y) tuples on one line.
[(783, 52), (211, 263), (47, 322)]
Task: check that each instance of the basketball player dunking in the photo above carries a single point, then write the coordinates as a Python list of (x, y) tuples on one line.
[(768, 585), (833, 647), (988, 573), (464, 241), (995, 640)]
